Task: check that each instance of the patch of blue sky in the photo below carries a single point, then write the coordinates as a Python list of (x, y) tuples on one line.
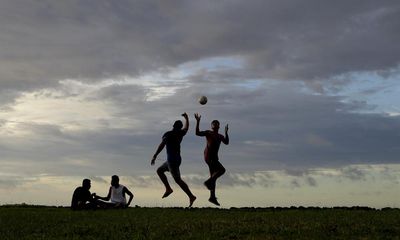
[(379, 92)]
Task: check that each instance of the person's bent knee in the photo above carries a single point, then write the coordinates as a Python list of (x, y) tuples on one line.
[(160, 171)]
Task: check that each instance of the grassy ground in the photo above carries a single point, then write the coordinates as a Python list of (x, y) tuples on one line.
[(28, 222)]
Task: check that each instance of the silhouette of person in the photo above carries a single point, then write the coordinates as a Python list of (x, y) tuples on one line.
[(214, 140), (172, 140), (117, 194), (82, 198)]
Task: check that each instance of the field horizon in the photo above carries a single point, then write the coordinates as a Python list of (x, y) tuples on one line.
[(52, 222), (355, 207)]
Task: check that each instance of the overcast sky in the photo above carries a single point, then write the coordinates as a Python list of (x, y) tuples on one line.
[(310, 90)]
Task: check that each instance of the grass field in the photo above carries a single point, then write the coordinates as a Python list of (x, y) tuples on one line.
[(29, 222)]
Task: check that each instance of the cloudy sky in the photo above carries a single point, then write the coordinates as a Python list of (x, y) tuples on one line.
[(310, 90)]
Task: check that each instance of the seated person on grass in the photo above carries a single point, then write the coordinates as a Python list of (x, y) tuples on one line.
[(116, 194), (82, 198)]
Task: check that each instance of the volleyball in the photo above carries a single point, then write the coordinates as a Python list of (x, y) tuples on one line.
[(203, 100)]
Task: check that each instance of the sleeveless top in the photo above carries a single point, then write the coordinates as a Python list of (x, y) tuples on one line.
[(117, 195)]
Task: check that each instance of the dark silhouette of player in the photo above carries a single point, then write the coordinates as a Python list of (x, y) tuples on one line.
[(172, 141), (214, 140)]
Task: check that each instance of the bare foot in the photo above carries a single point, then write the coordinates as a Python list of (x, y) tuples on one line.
[(192, 199), (214, 201), (167, 193)]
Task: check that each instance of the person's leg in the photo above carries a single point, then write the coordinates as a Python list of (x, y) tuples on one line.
[(174, 170), (216, 171), (161, 173), (103, 204), (210, 183)]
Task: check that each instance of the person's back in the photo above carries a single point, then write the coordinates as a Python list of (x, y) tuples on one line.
[(173, 141)]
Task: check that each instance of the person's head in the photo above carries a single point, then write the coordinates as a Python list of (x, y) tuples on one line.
[(86, 184), (178, 125), (215, 125), (115, 181)]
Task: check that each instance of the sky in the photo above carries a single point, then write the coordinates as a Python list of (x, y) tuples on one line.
[(310, 90)]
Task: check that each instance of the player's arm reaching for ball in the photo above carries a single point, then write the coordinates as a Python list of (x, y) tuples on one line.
[(226, 138), (186, 126), (198, 132)]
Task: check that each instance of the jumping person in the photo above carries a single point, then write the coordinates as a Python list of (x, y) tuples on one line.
[(172, 140), (214, 140), (117, 194)]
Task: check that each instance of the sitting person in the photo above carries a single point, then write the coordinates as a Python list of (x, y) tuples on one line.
[(117, 195), (82, 198)]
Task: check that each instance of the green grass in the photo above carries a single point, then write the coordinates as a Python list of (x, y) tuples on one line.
[(29, 222)]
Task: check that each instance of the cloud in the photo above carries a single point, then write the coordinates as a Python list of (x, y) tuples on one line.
[(44, 42), (264, 179), (317, 177), (89, 88), (12, 183), (102, 128)]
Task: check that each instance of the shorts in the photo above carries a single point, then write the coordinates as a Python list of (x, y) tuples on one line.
[(173, 168)]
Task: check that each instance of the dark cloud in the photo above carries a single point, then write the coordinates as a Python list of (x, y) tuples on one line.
[(45, 41)]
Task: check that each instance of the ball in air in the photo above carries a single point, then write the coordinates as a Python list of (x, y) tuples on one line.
[(203, 100)]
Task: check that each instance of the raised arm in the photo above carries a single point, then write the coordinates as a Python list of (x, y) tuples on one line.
[(226, 138), (198, 132), (130, 194), (186, 126), (159, 149)]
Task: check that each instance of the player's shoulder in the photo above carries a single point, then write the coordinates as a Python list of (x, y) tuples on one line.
[(78, 190), (166, 134), (183, 131)]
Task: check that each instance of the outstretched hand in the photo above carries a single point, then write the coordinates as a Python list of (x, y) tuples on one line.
[(185, 115), (197, 116), (226, 128)]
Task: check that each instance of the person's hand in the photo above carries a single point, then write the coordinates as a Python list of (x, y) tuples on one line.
[(185, 115), (197, 116), (153, 160), (226, 128)]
